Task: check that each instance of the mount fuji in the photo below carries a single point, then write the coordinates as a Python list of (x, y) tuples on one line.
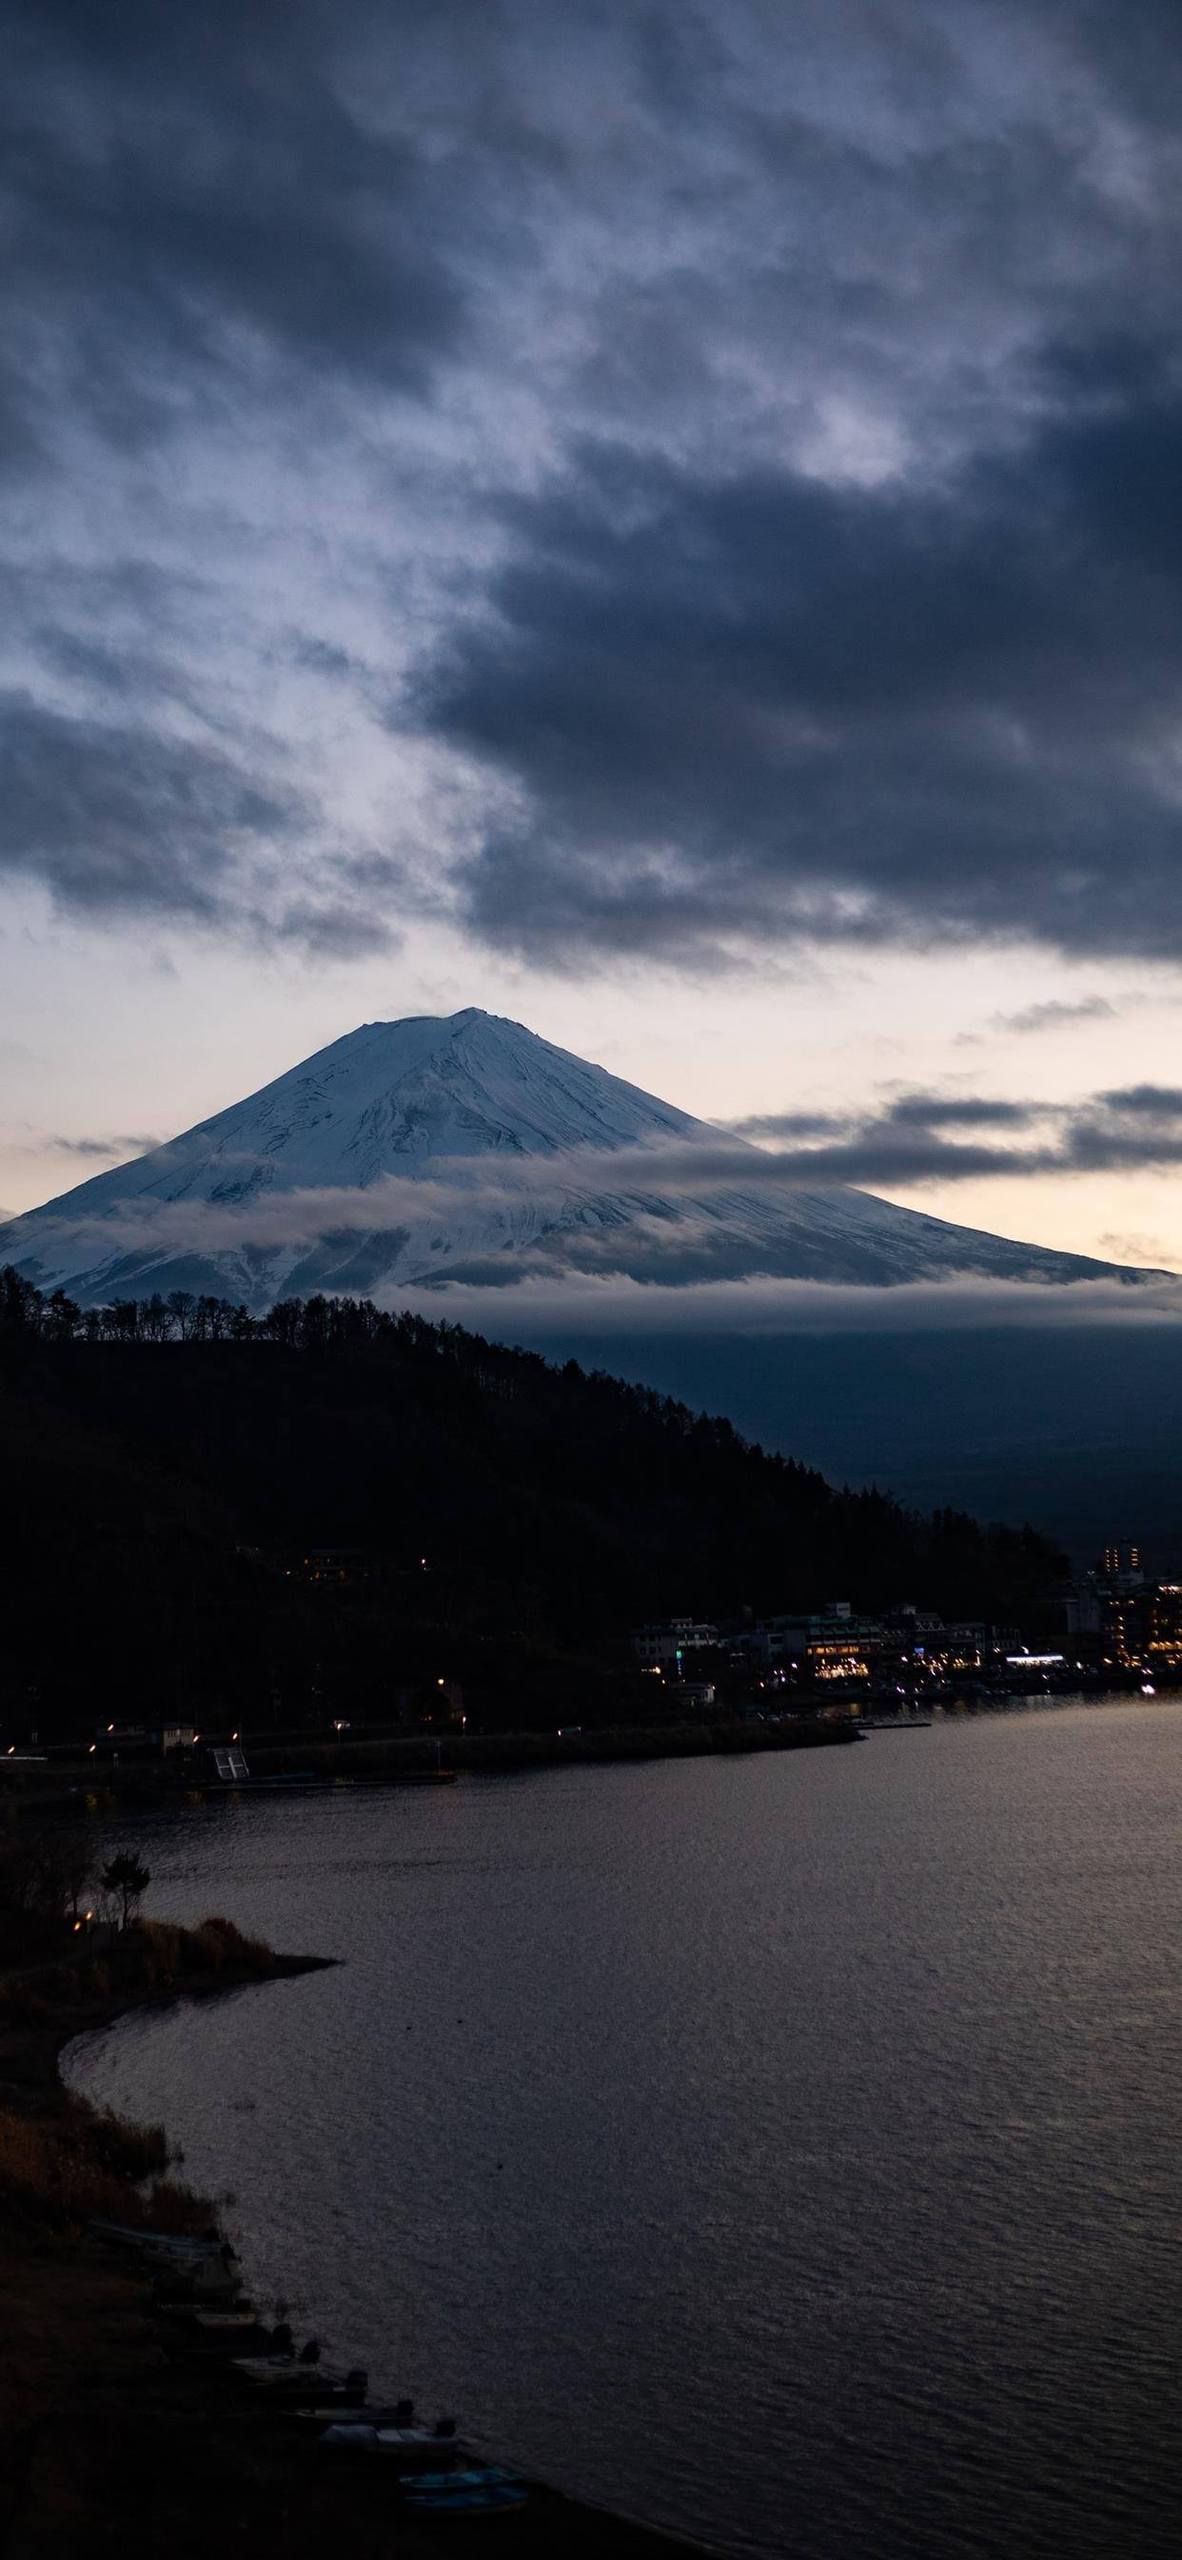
[(467, 1149)]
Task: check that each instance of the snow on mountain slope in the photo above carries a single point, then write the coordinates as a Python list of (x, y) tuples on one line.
[(467, 1148)]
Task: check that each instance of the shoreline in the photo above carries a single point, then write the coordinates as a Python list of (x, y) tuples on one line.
[(113, 2425), (47, 1786)]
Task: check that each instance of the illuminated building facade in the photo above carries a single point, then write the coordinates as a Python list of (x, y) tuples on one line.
[(666, 1646), (1122, 1617)]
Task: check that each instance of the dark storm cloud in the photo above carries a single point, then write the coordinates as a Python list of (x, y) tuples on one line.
[(188, 193), (119, 819), (205, 234), (759, 430), (905, 713), (115, 816)]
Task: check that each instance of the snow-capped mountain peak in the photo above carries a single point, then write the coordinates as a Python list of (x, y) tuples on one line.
[(393, 1093), (466, 1146)]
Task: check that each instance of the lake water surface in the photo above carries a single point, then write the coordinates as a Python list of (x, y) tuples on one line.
[(784, 2149)]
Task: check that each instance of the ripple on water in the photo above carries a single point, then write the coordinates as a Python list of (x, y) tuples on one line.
[(782, 2150)]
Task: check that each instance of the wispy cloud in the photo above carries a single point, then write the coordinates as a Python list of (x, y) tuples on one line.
[(1134, 1248), (666, 1201), (1124, 1129), (1055, 1014), (533, 1307), (102, 1150), (907, 1113)]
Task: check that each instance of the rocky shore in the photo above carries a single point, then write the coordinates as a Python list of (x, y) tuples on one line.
[(116, 2433)]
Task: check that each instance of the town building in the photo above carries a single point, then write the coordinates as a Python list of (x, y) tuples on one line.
[(665, 1647), (1119, 1616), (908, 1646), (830, 1644), (919, 1637)]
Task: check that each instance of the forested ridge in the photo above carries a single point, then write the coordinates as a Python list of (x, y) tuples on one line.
[(504, 1521)]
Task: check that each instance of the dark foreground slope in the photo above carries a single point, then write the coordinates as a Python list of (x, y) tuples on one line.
[(496, 1520)]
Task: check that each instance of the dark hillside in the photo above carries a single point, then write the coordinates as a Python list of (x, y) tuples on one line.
[(495, 1519)]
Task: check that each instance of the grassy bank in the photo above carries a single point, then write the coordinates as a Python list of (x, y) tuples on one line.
[(114, 2433)]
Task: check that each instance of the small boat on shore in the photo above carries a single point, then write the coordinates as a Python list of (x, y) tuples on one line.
[(327, 2413), (183, 2249), (202, 2276), (492, 2497), (284, 2378), (475, 2475), (234, 2329), (405, 2446)]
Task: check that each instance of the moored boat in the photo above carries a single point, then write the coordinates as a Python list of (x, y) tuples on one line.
[(404, 2446), (473, 2475), (234, 2331), (183, 2247), (493, 2498), (322, 2414), (284, 2378)]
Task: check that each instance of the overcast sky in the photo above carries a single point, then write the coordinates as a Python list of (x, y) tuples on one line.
[(661, 520)]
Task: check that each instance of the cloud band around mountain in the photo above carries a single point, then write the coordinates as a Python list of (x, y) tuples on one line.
[(675, 1191)]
